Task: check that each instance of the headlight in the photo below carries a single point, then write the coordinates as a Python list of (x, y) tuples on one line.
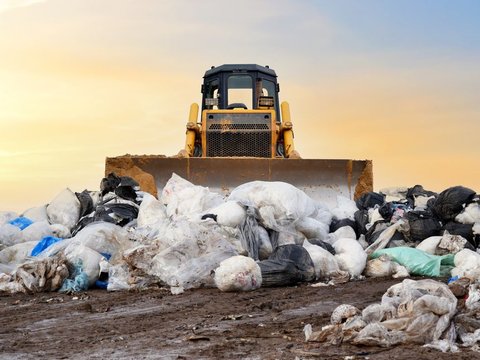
[(265, 101), (211, 102)]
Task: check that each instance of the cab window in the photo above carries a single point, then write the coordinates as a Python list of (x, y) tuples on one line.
[(211, 94), (240, 90)]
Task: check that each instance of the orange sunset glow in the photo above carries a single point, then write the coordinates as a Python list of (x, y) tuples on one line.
[(80, 80)]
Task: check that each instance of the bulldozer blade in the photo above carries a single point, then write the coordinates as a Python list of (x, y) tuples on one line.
[(321, 179)]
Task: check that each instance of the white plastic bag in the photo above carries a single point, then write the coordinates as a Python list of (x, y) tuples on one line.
[(10, 235), (350, 256), (430, 244), (466, 261), (151, 211), (36, 214), (238, 273), (88, 259), (287, 203), (184, 198), (312, 228), (195, 250), (470, 215), (345, 209), (37, 231), (229, 213), (64, 209), (6, 216), (325, 263), (340, 233), (18, 253)]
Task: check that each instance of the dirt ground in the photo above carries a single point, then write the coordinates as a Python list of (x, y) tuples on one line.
[(198, 324)]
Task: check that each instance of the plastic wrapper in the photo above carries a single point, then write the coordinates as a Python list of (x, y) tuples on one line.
[(375, 334), (343, 312), (118, 278), (410, 312)]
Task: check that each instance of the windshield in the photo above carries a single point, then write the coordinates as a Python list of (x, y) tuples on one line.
[(240, 90)]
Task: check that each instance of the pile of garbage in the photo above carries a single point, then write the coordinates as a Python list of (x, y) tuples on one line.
[(422, 312), (263, 234)]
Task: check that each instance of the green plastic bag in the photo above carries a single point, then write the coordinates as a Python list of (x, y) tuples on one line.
[(419, 262)]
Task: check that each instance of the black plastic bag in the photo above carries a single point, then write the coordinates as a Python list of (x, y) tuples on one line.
[(369, 200), (337, 224), (109, 183), (361, 219), (322, 244), (288, 265), (86, 202), (126, 192), (388, 209), (451, 202), (416, 191), (122, 213), (423, 224)]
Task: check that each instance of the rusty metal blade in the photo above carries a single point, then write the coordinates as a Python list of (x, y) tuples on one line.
[(322, 179)]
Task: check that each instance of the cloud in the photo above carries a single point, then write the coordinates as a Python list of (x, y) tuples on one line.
[(6, 5)]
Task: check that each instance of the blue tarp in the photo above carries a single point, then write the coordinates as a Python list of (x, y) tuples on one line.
[(43, 244), (21, 222)]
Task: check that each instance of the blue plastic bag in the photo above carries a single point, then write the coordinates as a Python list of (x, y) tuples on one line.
[(21, 222), (77, 281), (419, 262), (46, 242)]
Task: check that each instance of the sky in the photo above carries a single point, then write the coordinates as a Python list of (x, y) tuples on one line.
[(396, 82)]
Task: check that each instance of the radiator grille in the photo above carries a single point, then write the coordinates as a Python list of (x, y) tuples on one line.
[(239, 135)]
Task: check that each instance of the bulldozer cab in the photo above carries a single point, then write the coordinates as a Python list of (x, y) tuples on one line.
[(249, 86)]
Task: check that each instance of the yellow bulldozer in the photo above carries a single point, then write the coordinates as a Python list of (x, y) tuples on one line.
[(244, 134)]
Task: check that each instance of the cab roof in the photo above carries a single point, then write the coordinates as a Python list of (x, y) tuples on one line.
[(231, 68)]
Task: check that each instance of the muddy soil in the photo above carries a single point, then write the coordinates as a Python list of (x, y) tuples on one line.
[(198, 324)]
